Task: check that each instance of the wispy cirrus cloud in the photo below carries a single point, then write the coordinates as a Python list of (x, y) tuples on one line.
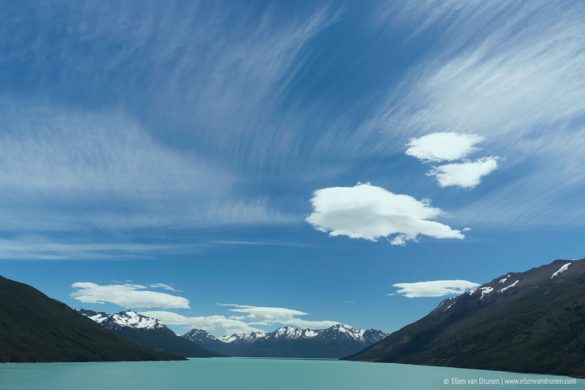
[(107, 172), (43, 247), (509, 72), (212, 79), (144, 136), (37, 247)]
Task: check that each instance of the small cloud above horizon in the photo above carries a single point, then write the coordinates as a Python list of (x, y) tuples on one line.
[(258, 315), (434, 288), (126, 295)]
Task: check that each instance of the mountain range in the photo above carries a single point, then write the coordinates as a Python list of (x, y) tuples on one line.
[(36, 328), (146, 331), (532, 322), (334, 342)]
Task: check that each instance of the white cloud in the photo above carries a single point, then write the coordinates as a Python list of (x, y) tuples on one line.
[(164, 286), (447, 146), (435, 288), (215, 324), (126, 295), (245, 319), (256, 315), (467, 174), (370, 212)]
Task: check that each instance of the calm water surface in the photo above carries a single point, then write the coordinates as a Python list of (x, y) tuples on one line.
[(256, 374)]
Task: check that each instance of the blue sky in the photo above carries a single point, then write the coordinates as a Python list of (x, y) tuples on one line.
[(271, 161)]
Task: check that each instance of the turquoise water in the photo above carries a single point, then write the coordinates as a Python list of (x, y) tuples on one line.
[(256, 374)]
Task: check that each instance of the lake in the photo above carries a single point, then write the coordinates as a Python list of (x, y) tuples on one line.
[(258, 374)]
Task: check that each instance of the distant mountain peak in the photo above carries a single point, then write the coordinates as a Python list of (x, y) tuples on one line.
[(147, 331), (290, 341)]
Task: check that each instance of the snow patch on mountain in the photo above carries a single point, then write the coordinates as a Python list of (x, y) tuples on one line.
[(447, 302), (508, 287), (229, 338), (561, 270), (99, 317), (135, 320), (288, 333), (485, 291)]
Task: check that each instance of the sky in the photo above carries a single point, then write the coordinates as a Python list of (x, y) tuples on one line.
[(239, 166)]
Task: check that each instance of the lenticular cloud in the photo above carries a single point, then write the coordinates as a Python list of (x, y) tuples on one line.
[(450, 146), (466, 174), (435, 288), (370, 212), (447, 146), (126, 295)]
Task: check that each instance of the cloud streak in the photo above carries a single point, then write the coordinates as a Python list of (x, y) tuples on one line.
[(56, 177), (163, 286)]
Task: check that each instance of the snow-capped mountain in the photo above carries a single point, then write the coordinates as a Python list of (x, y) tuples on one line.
[(336, 341), (123, 319), (343, 332), (521, 321), (146, 331)]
